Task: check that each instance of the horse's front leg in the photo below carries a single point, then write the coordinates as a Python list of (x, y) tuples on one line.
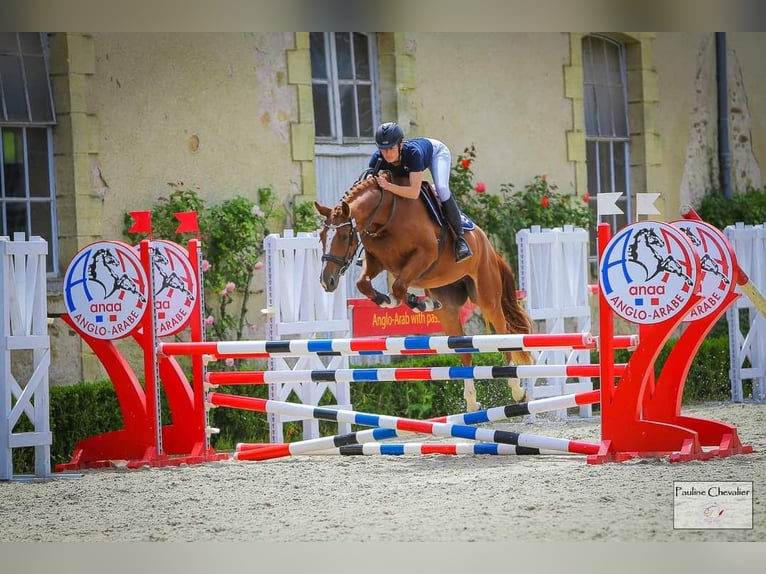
[(412, 269), (371, 268)]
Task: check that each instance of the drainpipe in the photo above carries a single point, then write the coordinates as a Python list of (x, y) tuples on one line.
[(724, 152)]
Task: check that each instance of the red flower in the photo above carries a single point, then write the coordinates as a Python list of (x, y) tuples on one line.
[(480, 187), (544, 177), (586, 197), (544, 202), (466, 163)]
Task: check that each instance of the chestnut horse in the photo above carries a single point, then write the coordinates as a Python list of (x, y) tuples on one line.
[(401, 237)]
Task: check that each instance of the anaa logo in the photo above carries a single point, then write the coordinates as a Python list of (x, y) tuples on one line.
[(649, 272), (105, 290)]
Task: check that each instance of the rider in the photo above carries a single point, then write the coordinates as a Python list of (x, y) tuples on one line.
[(411, 158)]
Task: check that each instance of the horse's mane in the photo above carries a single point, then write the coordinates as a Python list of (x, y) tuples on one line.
[(364, 183)]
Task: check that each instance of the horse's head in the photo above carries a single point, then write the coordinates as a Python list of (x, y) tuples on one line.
[(651, 238), (339, 243), (158, 258), (690, 235), (106, 258)]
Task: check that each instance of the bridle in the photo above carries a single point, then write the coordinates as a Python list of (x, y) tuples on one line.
[(351, 250), (344, 263)]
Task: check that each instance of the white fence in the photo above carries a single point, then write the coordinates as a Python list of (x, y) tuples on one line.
[(553, 272), (298, 307), (24, 328), (747, 346)]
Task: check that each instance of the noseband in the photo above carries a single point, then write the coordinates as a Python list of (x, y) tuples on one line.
[(350, 251)]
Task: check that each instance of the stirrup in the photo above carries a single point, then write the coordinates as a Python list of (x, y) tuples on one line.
[(462, 254)]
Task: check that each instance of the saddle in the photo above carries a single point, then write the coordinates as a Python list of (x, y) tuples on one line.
[(434, 206), (428, 197)]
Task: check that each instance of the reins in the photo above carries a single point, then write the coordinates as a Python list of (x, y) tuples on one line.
[(344, 263), (377, 233)]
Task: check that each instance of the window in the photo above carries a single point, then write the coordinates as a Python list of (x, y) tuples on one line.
[(606, 127), (26, 150), (343, 87)]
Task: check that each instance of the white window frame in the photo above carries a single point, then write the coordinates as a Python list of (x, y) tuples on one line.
[(335, 143), (25, 125), (607, 138)]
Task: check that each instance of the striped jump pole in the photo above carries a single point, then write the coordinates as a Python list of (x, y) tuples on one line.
[(404, 374), (410, 345), (493, 414), (398, 423), (423, 448)]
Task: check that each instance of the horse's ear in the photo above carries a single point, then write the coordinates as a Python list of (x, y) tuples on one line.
[(345, 209), (322, 210)]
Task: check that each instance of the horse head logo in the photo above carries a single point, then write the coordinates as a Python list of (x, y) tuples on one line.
[(169, 279), (104, 269), (649, 250), (707, 263)]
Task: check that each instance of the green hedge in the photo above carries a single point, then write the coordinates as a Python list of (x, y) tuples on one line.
[(708, 377), (87, 409)]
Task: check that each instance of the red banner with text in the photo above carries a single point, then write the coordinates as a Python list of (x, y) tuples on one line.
[(370, 320)]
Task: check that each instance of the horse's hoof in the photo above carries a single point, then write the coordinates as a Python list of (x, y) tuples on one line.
[(518, 392), (427, 305), (430, 305), (390, 302), (519, 397), (471, 405)]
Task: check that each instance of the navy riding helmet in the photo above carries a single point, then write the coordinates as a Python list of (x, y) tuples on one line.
[(388, 135)]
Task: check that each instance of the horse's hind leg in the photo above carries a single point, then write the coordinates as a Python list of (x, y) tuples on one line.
[(514, 358), (491, 308), (420, 305), (518, 358), (449, 316)]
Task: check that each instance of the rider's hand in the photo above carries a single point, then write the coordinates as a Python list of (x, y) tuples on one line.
[(382, 181)]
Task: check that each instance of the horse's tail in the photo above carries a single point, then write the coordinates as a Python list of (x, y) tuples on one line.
[(516, 318)]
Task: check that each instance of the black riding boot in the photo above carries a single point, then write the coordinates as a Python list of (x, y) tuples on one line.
[(452, 214)]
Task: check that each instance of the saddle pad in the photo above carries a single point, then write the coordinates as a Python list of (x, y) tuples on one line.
[(428, 196)]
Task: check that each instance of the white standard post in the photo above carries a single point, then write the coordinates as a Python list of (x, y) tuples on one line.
[(24, 326), (6, 458), (297, 307), (553, 273), (747, 326)]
